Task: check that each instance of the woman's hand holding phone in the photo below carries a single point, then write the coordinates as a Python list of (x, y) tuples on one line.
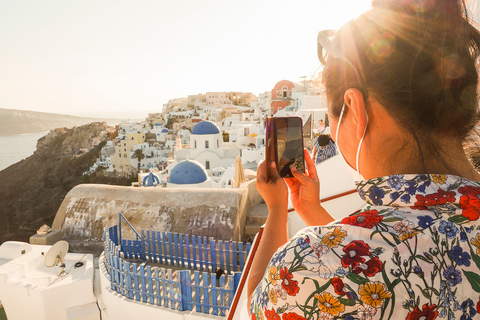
[(275, 191), (305, 194)]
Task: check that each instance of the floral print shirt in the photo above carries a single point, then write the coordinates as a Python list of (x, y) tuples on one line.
[(412, 253)]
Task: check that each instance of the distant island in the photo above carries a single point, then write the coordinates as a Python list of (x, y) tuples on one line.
[(21, 122)]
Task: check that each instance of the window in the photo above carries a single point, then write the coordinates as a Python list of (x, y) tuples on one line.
[(125, 155), (246, 131), (284, 92), (207, 164), (206, 144), (195, 144), (218, 144)]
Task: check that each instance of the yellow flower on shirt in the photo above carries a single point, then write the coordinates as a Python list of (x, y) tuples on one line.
[(476, 242), (334, 238), (439, 178), (408, 235), (273, 296), (273, 275), (373, 293), (329, 304)]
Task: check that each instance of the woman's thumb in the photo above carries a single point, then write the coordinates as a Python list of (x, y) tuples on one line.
[(301, 177)]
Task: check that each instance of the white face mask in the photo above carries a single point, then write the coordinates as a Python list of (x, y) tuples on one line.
[(354, 172)]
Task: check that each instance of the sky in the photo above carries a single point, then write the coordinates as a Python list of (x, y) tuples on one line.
[(127, 58)]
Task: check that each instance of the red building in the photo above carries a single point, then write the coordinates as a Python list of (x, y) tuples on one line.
[(282, 95)]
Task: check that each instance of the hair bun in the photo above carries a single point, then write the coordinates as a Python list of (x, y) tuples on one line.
[(437, 8)]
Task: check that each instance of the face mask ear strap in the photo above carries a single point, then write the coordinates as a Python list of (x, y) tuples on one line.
[(360, 143), (338, 124), (357, 157)]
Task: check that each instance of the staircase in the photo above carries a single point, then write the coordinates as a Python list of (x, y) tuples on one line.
[(256, 217)]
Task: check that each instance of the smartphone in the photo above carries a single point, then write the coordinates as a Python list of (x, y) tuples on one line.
[(284, 136)]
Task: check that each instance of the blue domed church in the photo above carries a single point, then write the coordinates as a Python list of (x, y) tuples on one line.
[(188, 173), (206, 148)]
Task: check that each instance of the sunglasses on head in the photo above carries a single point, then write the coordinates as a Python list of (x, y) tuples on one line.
[(324, 43)]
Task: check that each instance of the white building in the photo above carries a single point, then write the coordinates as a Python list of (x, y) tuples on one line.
[(155, 155), (206, 147)]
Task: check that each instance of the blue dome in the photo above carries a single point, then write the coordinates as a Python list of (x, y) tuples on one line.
[(205, 127), (164, 130), (157, 124), (188, 172), (150, 180)]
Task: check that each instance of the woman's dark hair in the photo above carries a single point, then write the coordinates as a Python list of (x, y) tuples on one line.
[(417, 58)]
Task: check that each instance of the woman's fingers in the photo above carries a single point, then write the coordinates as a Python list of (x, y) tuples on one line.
[(262, 172), (302, 178), (290, 182), (274, 175), (311, 168)]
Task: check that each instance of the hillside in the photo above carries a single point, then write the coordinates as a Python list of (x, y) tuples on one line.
[(20, 121), (32, 190)]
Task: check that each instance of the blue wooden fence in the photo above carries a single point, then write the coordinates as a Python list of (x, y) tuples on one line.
[(186, 251), (179, 290)]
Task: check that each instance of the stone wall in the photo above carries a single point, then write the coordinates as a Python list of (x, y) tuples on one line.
[(218, 213)]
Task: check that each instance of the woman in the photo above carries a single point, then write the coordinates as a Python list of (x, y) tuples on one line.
[(401, 81)]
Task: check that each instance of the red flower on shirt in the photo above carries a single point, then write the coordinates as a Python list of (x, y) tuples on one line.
[(291, 286), (478, 306), (369, 268), (427, 313), (292, 316), (338, 285), (367, 219), (271, 314), (354, 252), (470, 202), (434, 199)]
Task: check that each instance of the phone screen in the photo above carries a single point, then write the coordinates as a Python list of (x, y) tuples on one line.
[(289, 136)]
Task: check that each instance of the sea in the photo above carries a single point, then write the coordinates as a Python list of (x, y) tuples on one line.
[(15, 148)]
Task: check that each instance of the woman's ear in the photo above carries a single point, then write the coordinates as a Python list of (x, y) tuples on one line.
[(355, 102)]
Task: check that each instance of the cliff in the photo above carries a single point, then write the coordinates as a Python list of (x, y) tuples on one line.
[(20, 121), (32, 190)]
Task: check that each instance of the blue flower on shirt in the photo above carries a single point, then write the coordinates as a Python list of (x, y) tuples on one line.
[(448, 228), (405, 198), (411, 189), (394, 195), (460, 257), (425, 221), (418, 270), (468, 309), (278, 256), (396, 181), (361, 193), (423, 186), (453, 276), (376, 195), (302, 243)]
